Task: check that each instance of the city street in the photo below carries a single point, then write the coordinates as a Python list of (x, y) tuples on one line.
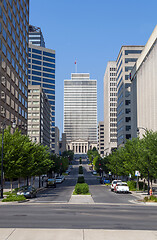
[(100, 193), (52, 210)]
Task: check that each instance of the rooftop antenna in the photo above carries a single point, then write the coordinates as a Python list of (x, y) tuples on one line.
[(75, 66)]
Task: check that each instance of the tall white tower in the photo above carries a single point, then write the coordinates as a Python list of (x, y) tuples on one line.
[(80, 112)]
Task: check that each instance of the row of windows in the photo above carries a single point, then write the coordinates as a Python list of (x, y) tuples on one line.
[(112, 69), (127, 60), (44, 69), (48, 54), (132, 52), (42, 63), (113, 89), (113, 104), (11, 31), (113, 79), (48, 75), (113, 99), (113, 84), (18, 83)]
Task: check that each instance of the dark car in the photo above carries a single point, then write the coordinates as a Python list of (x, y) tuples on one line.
[(51, 182), (27, 191), (104, 180)]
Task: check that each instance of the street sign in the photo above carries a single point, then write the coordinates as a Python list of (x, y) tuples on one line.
[(137, 174)]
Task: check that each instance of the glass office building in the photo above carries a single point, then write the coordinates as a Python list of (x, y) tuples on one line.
[(42, 73), (14, 23), (36, 36)]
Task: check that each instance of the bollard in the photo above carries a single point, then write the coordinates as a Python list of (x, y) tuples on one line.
[(150, 192)]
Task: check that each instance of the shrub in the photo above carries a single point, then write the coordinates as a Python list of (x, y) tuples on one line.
[(153, 198), (13, 198), (81, 180), (80, 170), (132, 185), (81, 188)]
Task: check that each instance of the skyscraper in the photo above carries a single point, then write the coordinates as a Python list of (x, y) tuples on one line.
[(101, 138), (39, 116), (14, 17), (80, 112), (126, 59), (110, 108), (144, 89), (36, 36), (42, 73)]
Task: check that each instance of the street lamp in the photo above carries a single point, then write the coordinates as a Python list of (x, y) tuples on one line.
[(148, 155)]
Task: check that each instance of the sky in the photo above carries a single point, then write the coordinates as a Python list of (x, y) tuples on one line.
[(92, 33)]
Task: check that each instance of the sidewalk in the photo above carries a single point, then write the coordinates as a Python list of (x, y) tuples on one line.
[(6, 187), (81, 199), (77, 234)]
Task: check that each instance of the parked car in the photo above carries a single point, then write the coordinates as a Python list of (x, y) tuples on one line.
[(67, 171), (27, 192), (121, 187), (113, 184), (94, 172), (60, 179), (104, 180), (51, 182)]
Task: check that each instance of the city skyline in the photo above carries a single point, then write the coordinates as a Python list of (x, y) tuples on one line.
[(101, 37)]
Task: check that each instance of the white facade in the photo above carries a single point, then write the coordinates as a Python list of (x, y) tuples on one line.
[(126, 60), (100, 147), (80, 111), (110, 108), (39, 116), (57, 140), (144, 88)]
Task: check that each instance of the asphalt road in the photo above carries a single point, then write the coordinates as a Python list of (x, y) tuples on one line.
[(78, 216), (51, 209), (100, 193)]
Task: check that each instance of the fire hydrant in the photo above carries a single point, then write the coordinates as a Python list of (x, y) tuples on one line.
[(150, 192)]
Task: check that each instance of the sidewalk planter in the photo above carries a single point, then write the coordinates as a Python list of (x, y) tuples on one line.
[(80, 179), (81, 188), (14, 198), (80, 170)]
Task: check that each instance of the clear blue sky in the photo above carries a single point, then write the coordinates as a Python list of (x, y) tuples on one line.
[(91, 31)]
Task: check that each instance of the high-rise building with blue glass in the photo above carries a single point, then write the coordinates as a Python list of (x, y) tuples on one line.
[(42, 72), (14, 23), (36, 36)]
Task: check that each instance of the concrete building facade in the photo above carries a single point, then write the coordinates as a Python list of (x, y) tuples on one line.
[(126, 59), (144, 88), (110, 108), (14, 22), (100, 146), (39, 116), (57, 134), (42, 72), (80, 112)]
